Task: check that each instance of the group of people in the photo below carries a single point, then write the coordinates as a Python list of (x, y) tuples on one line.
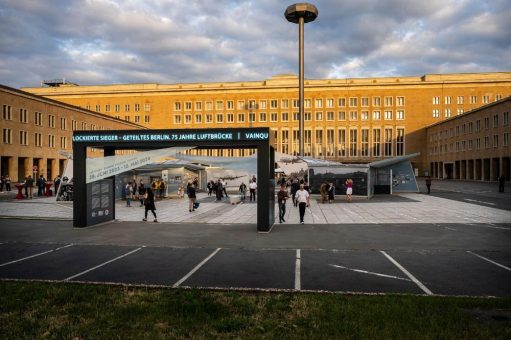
[(219, 188), (5, 181)]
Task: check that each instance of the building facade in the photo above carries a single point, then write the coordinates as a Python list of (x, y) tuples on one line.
[(346, 120), (37, 133), (473, 146)]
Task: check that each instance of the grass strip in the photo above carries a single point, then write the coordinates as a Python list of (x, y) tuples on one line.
[(85, 311)]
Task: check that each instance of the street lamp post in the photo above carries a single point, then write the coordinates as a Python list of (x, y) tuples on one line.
[(301, 14)]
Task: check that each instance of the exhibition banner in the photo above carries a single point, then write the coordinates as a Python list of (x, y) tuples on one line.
[(103, 167)]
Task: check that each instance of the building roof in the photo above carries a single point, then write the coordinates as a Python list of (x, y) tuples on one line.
[(393, 160)]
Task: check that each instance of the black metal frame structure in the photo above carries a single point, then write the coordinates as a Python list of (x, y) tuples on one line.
[(233, 138)]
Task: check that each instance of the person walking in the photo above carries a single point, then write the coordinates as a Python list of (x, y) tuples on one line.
[(302, 197), (282, 197), (149, 203), (56, 184), (502, 182), (224, 185), (295, 186), (40, 186), (252, 187), (219, 190), (163, 188), (7, 180), (331, 192), (428, 183), (191, 197), (243, 191), (349, 189), (141, 192), (29, 187), (209, 186), (129, 194)]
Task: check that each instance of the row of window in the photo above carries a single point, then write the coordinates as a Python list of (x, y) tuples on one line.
[(467, 145), (460, 100), (253, 117), (7, 138), (469, 127), (51, 120), (136, 119), (284, 103), (117, 108)]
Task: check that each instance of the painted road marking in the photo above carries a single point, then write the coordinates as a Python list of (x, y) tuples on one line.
[(486, 259), (102, 264), (32, 256), (407, 273), (476, 201), (197, 267), (371, 273), (298, 284)]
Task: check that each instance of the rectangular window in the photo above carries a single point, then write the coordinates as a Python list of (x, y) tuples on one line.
[(495, 141), (127, 118), (478, 125), (330, 115), (473, 99), (208, 105), (495, 120), (198, 106), (51, 121), (285, 141), (341, 115), (387, 148), (330, 142), (505, 118), (353, 115), (459, 111), (447, 100), (318, 103), (137, 107), (198, 118), (364, 101), (274, 116), (74, 125), (63, 123), (219, 105), (209, 118), (341, 140), (470, 127), (388, 115), (63, 142), (486, 142), (177, 119), (23, 116), (364, 151), (262, 104), (51, 141), (319, 116), (188, 106), (470, 144), (486, 123), (505, 140), (330, 102), (188, 119), (478, 143), (376, 115), (146, 119), (252, 105), (353, 142), (318, 152), (400, 101), (274, 104), (436, 113), (230, 118), (376, 142), (400, 114), (307, 103), (364, 115), (296, 116), (285, 103), (376, 101), (400, 142), (84, 126), (117, 107), (262, 116), (251, 117), (457, 131), (7, 112), (341, 102), (177, 106), (127, 108), (285, 116), (107, 108), (98, 108), (307, 116), (147, 107), (241, 105), (241, 118), (460, 100), (219, 118), (23, 138), (388, 101), (353, 101), (296, 103), (436, 100), (38, 139), (498, 97), (486, 99), (447, 113)]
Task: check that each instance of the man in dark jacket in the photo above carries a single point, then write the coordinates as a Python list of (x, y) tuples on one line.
[(40, 186)]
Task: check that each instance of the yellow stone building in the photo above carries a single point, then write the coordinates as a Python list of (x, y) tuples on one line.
[(348, 120), (473, 146), (37, 133)]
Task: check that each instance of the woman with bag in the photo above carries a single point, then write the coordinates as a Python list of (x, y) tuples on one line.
[(149, 203)]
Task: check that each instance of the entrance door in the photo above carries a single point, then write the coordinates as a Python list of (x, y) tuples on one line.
[(448, 170)]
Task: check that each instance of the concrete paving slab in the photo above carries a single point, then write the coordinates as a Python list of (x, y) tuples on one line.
[(353, 271), (456, 273), (153, 266), (247, 269), (62, 264)]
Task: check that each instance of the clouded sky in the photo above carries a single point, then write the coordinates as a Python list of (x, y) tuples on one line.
[(181, 41)]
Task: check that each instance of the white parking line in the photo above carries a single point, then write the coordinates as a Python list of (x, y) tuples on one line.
[(370, 273), (486, 259), (197, 267), (476, 201), (298, 284), (101, 265), (413, 278), (32, 256)]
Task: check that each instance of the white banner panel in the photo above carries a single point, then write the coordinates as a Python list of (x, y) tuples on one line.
[(103, 167)]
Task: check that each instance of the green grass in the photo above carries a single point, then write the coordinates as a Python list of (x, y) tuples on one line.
[(63, 310)]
